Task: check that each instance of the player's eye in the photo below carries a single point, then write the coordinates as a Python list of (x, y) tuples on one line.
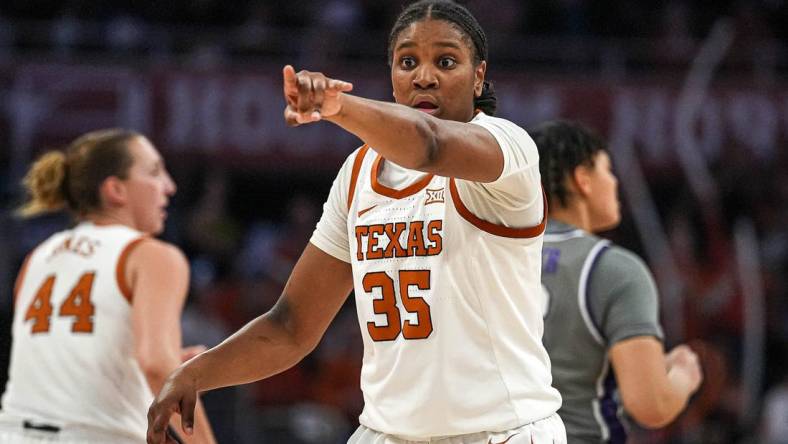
[(447, 63), (407, 62)]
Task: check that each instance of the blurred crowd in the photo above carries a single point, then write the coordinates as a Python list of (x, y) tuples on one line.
[(243, 230), (617, 18), (209, 31)]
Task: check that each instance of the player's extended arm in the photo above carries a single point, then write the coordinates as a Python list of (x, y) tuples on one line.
[(404, 135), (269, 344), (158, 299), (653, 387)]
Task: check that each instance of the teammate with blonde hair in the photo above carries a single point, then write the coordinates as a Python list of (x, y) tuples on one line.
[(96, 326)]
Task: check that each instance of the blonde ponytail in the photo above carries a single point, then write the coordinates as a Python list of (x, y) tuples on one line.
[(45, 184)]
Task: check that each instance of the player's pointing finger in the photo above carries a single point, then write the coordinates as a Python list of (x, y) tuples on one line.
[(289, 80)]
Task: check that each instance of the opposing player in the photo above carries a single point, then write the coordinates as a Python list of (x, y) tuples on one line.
[(437, 223), (97, 307), (601, 307)]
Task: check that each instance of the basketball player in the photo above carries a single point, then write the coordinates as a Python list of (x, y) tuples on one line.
[(437, 224), (601, 320), (97, 308)]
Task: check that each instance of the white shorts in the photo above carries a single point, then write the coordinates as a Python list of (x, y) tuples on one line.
[(13, 431), (545, 431)]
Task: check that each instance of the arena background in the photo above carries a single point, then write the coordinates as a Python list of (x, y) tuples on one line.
[(691, 95)]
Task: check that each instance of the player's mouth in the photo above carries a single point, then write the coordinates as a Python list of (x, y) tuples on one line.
[(426, 106)]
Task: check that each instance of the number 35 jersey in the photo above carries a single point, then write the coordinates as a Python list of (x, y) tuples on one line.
[(72, 358), (447, 304)]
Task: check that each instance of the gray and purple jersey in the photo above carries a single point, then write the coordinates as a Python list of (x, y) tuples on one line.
[(596, 294)]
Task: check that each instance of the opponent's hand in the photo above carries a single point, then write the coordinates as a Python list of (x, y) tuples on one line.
[(311, 96), (684, 361), (178, 395)]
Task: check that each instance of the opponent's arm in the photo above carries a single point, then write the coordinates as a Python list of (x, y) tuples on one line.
[(157, 304), (269, 344), (653, 387), (406, 136)]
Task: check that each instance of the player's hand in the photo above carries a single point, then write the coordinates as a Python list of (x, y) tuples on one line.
[(178, 395), (684, 361), (192, 351), (311, 96)]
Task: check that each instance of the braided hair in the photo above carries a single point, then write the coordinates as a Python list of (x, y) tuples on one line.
[(464, 21), (563, 146)]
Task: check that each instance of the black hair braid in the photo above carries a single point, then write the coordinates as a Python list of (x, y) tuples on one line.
[(552, 178), (487, 102), (563, 146), (460, 17)]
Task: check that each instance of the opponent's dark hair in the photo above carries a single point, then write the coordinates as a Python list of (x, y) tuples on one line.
[(463, 20), (563, 146)]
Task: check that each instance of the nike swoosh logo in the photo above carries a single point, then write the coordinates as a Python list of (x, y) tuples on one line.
[(502, 442), (365, 210)]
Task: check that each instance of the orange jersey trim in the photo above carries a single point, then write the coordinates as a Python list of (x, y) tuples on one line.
[(489, 227), (354, 173), (120, 269), (391, 192), (20, 277)]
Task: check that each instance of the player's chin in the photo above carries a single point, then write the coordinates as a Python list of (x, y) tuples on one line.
[(154, 227), (606, 221), (613, 221)]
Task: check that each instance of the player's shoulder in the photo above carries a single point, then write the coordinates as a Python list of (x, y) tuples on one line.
[(508, 131), (45, 248), (507, 125), (563, 234), (55, 238), (623, 262), (355, 158), (150, 252), (483, 117), (151, 245), (359, 153)]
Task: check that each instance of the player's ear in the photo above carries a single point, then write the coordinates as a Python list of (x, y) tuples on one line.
[(478, 78), (581, 180), (113, 192)]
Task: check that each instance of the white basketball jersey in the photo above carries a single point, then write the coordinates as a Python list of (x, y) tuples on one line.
[(448, 308), (72, 356)]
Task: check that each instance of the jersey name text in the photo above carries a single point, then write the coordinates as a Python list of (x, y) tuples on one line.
[(399, 239)]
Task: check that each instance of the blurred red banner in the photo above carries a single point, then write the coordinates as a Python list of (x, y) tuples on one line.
[(235, 116)]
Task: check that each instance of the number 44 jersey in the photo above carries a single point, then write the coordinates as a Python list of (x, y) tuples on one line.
[(448, 303), (72, 358)]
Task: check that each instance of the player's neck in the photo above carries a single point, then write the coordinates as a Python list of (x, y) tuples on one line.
[(575, 215), (110, 217)]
